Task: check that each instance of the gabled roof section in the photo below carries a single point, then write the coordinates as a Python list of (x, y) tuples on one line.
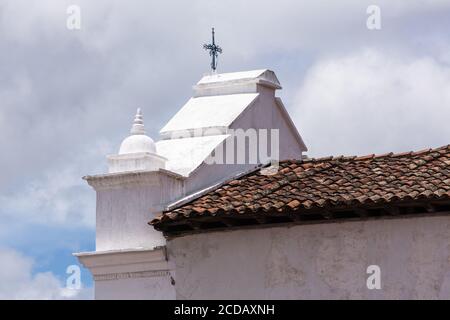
[(219, 100), (186, 154), (326, 189), (208, 112)]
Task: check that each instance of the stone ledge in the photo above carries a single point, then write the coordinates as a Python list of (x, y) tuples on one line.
[(124, 264)]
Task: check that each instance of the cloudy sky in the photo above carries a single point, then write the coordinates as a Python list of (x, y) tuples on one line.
[(67, 97)]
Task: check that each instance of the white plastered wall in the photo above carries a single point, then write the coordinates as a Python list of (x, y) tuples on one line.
[(317, 261)]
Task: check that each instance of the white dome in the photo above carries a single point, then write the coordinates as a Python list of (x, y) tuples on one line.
[(137, 143)]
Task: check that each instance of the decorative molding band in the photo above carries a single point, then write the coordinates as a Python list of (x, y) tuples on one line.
[(128, 275), (131, 178)]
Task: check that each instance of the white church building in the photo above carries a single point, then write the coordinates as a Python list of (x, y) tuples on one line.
[(226, 205)]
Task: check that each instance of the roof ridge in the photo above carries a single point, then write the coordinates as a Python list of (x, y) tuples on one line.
[(369, 156)]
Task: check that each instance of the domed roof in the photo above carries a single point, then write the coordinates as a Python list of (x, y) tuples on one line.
[(137, 142)]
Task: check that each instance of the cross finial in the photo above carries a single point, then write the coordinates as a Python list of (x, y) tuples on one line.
[(214, 51)]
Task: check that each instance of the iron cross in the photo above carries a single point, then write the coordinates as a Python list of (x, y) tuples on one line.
[(214, 51)]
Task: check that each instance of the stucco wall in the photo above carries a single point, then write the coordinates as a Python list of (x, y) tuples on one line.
[(150, 288), (265, 114), (317, 261), (124, 209)]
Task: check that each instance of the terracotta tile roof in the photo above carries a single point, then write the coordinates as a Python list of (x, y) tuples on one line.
[(325, 184)]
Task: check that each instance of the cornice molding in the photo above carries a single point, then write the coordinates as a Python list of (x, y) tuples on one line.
[(132, 179), (124, 264), (129, 275)]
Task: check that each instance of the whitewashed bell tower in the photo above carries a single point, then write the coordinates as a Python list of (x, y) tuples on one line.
[(136, 188), (128, 252)]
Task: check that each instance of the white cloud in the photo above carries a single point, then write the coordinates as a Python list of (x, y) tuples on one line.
[(59, 196), (18, 281), (372, 102)]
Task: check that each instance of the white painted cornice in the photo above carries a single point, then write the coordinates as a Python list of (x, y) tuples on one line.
[(132, 178), (122, 264)]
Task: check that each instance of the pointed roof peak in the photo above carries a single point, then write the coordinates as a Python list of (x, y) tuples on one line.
[(137, 141), (138, 123)]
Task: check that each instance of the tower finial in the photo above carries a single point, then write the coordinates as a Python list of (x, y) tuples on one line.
[(214, 51), (138, 124)]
